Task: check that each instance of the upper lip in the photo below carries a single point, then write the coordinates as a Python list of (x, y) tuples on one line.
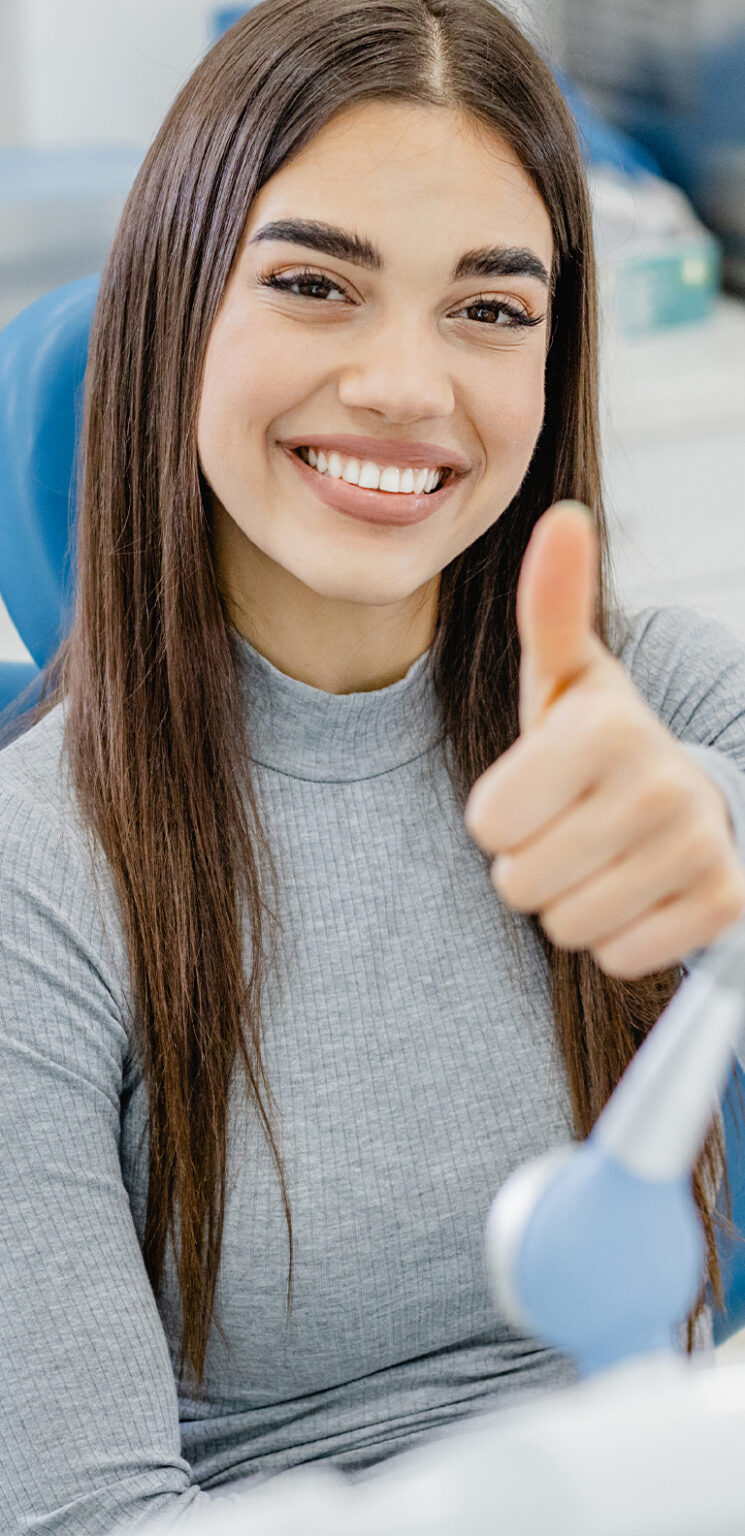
[(384, 450)]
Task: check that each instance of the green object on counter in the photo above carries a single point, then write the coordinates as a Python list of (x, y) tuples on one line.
[(654, 290)]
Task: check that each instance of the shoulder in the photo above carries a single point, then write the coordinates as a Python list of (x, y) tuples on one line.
[(30, 765), (689, 667), (39, 821), (55, 884)]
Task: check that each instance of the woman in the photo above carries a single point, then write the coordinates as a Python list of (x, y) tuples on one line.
[(245, 1184)]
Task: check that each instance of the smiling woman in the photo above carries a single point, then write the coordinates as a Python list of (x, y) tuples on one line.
[(433, 308), (245, 1182)]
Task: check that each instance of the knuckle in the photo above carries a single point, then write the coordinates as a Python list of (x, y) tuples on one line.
[(503, 879), (557, 927), (703, 845), (730, 897), (607, 957), (515, 896), (550, 927), (660, 796), (613, 725)]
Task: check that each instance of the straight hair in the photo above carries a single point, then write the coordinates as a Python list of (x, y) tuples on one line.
[(156, 740)]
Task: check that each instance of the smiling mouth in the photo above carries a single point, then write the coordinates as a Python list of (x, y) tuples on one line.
[(446, 475)]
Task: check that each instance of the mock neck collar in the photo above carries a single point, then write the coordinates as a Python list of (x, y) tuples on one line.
[(310, 734)]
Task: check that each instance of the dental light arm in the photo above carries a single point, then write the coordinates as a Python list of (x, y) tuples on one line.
[(598, 1247)]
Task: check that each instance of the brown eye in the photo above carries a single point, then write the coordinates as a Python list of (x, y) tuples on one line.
[(290, 282), (516, 317), (287, 281)]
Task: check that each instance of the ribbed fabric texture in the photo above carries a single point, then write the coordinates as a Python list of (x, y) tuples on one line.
[(413, 1069)]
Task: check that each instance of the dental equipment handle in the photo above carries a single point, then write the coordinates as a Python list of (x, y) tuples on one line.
[(598, 1248)]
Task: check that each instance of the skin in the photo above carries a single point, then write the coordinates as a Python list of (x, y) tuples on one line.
[(342, 605), (602, 823), (599, 820)]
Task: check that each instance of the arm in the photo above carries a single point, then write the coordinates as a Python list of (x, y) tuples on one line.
[(89, 1423), (691, 670), (89, 1432), (89, 1417)]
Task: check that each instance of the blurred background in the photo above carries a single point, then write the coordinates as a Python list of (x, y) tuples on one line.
[(658, 92)]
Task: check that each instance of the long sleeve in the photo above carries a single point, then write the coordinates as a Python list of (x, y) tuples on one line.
[(90, 1437), (89, 1424), (691, 670)]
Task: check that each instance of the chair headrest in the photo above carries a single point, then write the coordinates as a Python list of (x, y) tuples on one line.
[(43, 355)]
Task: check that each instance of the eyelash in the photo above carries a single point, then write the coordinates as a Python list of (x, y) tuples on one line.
[(518, 319)]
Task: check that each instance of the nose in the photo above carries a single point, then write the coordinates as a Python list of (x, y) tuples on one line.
[(400, 372)]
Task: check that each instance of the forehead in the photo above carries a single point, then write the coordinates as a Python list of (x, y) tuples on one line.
[(426, 176)]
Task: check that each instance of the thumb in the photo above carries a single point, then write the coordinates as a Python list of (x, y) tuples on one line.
[(555, 606)]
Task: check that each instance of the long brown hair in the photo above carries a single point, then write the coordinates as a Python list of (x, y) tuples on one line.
[(158, 745)]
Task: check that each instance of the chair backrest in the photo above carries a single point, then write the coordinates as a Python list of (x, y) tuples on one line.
[(43, 354)]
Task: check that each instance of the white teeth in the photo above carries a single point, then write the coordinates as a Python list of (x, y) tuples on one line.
[(370, 476)]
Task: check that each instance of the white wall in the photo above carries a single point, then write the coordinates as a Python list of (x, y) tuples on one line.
[(107, 70), (93, 71), (12, 124)]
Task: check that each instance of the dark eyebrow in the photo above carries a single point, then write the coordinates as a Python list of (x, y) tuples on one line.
[(491, 261)]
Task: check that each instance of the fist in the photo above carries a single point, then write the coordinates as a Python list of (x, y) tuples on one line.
[(599, 820)]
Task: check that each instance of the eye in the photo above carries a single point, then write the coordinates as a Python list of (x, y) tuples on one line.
[(291, 280), (516, 318)]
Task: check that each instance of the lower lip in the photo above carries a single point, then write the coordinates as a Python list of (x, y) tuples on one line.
[(396, 509)]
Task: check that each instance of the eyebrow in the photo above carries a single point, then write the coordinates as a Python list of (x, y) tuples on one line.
[(490, 261)]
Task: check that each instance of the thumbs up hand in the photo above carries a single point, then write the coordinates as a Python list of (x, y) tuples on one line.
[(602, 823)]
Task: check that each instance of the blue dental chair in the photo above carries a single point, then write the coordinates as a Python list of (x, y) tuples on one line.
[(43, 354)]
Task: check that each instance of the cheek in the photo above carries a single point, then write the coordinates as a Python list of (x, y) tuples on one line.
[(232, 403), (521, 399), (249, 378), (515, 421)]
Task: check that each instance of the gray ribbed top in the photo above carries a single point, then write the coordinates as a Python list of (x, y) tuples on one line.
[(306, 734), (412, 1068)]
